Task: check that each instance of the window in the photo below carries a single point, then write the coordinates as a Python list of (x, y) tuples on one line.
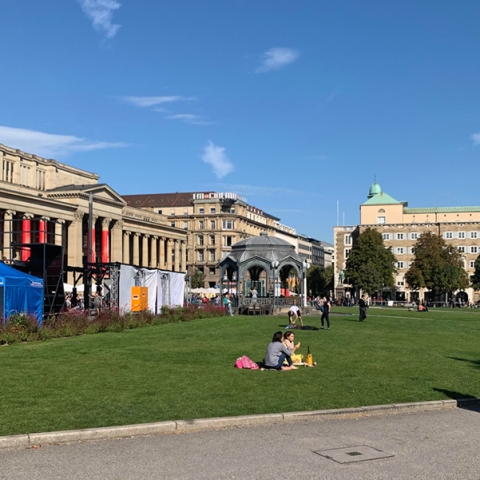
[(448, 235), (399, 284), (414, 236), (24, 175), (232, 210), (201, 224), (399, 236), (227, 241), (381, 220), (400, 265), (200, 240), (41, 174), (473, 249), (7, 171), (200, 255), (159, 211), (411, 250), (386, 236), (201, 211), (227, 225), (211, 254), (399, 251), (461, 249), (212, 239), (172, 224), (347, 252), (185, 212), (472, 263), (212, 271), (348, 239), (212, 210), (461, 234), (185, 225), (473, 234), (212, 224), (172, 213)]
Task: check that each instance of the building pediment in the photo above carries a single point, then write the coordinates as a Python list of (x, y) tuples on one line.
[(102, 193)]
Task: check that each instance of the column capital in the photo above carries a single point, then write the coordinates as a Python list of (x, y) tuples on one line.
[(45, 218), (27, 216), (10, 212), (146, 235), (127, 233), (60, 221), (106, 222), (118, 224), (155, 237), (78, 215), (136, 234)]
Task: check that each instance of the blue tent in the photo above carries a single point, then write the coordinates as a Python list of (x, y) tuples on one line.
[(20, 293)]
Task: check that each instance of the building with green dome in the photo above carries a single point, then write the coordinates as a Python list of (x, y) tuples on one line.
[(400, 226)]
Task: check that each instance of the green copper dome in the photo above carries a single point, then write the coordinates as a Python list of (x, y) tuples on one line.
[(374, 190)]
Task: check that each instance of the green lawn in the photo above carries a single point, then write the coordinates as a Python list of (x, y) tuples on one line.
[(182, 371)]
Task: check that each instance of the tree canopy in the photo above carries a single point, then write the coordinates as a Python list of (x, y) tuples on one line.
[(475, 278), (320, 280), (436, 266), (197, 279), (370, 265)]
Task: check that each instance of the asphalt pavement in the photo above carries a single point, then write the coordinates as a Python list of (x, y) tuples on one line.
[(436, 444)]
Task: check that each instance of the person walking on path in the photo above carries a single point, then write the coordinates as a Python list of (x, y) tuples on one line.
[(227, 303), (326, 313), (362, 305)]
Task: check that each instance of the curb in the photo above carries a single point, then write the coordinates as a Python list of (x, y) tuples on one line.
[(204, 424)]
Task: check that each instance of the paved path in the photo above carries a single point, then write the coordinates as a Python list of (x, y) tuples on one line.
[(441, 445)]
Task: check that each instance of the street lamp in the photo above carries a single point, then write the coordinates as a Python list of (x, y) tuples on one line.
[(306, 266), (274, 266)]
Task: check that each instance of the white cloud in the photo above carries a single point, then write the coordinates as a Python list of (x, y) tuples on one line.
[(476, 138), (101, 13), (50, 145), (216, 157), (189, 118), (277, 58), (152, 101)]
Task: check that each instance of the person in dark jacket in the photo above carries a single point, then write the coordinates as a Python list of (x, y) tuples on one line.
[(362, 305)]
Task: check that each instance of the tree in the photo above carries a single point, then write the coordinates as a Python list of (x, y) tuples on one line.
[(197, 279), (475, 278), (320, 280), (436, 266), (370, 265)]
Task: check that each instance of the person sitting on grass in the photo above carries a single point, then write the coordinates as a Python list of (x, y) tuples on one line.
[(276, 353), (289, 342), (294, 314)]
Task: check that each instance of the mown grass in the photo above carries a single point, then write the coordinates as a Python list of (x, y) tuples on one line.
[(185, 370)]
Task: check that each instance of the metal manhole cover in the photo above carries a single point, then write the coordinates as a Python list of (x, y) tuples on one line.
[(359, 453)]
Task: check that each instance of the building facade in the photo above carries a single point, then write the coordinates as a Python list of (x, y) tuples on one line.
[(47, 201), (400, 227), (214, 222)]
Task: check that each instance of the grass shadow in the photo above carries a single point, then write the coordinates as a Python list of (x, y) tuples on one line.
[(473, 363), (464, 400)]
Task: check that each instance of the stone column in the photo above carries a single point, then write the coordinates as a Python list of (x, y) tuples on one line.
[(116, 242), (26, 235), (177, 255), (136, 249), (162, 252), (7, 234), (93, 243), (43, 229), (169, 254), (75, 241), (126, 248), (105, 255), (145, 242), (153, 246), (58, 240), (183, 266)]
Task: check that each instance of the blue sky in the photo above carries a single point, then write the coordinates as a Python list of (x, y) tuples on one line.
[(295, 105)]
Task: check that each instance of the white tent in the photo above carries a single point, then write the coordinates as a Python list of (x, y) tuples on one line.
[(68, 288)]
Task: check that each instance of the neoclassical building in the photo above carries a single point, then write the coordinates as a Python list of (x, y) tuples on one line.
[(47, 201), (400, 226), (214, 221)]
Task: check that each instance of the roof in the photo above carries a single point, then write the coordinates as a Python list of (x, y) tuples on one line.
[(156, 200), (441, 210), (381, 198), (374, 190)]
